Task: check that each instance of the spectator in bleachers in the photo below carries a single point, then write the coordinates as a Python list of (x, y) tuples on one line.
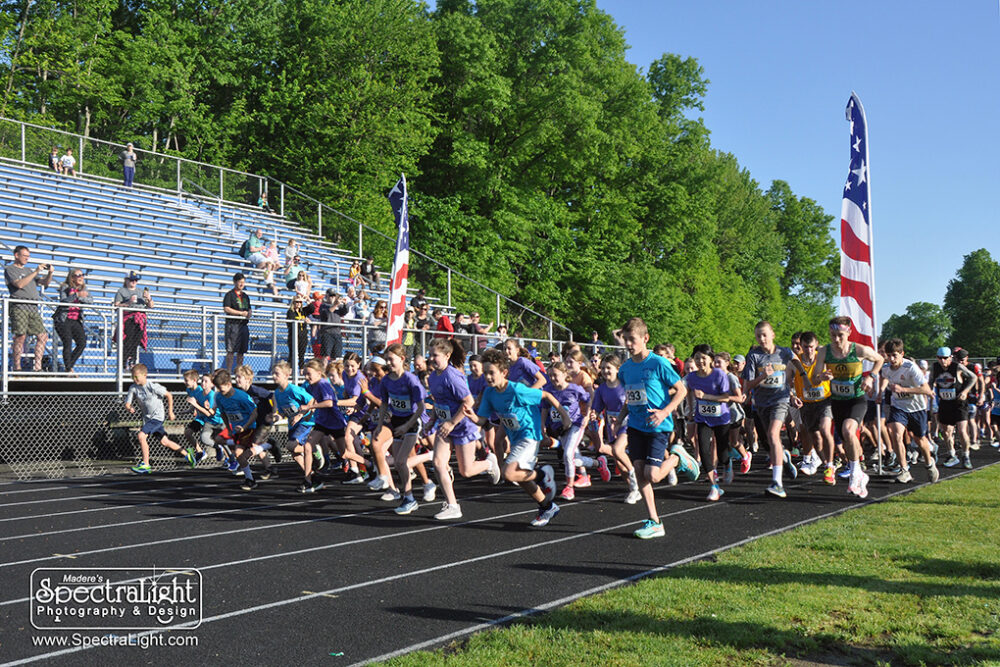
[(297, 319), (350, 296), (442, 324), (236, 305), (409, 336), (68, 319), (354, 275), (419, 301), (423, 320), (134, 324), (292, 272), (22, 283), (128, 159), (303, 284), (331, 314), (596, 345), (501, 334), (291, 252), (257, 248), (68, 163), (369, 274), (271, 256), (55, 164), (360, 307), (377, 322), (269, 281), (480, 330), (262, 203)]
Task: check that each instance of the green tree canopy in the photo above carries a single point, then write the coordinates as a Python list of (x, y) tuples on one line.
[(972, 301), (923, 328)]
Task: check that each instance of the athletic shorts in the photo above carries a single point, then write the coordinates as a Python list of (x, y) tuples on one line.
[(951, 413), (813, 414), (237, 337), (152, 426), (994, 419), (915, 422), (25, 321), (395, 421), (650, 447), (854, 408), (773, 413), (300, 432), (335, 433), (870, 412), (524, 453)]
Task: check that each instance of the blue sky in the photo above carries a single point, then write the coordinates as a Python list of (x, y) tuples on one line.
[(928, 75)]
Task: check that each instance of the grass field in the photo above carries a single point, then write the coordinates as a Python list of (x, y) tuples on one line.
[(913, 580)]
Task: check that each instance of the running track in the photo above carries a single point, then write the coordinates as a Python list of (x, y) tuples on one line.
[(292, 579)]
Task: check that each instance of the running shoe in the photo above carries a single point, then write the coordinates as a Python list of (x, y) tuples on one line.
[(745, 463), (807, 468), (892, 470), (548, 484), (141, 469), (494, 469), (951, 462), (932, 473), (974, 446), (995, 443), (275, 450), (904, 477), (727, 478), (633, 497), (316, 486), (568, 493), (355, 478), (672, 478), (845, 473), (188, 455), (776, 490), (318, 457), (233, 465), (430, 492), (967, 462), (378, 483), (859, 487), (687, 464), (830, 475), (583, 481), (304, 487), (544, 516), (406, 506), (449, 512), (715, 493), (248, 484), (649, 530), (269, 474), (603, 469), (790, 468), (390, 495), (199, 456)]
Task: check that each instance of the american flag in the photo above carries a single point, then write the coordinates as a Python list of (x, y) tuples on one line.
[(857, 270), (400, 265)]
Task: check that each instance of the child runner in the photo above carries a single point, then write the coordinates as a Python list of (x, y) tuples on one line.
[(150, 396), (200, 430), (265, 419), (767, 376), (579, 373), (451, 394), (952, 381), (609, 399), (649, 380), (908, 385), (355, 394), (330, 425), (518, 408), (736, 417), (575, 400), (841, 364), (288, 401), (403, 403), (816, 413), (239, 412), (709, 395)]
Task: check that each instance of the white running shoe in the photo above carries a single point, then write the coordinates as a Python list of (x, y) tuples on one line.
[(391, 495), (449, 512), (494, 469), (671, 478), (544, 517), (430, 492), (859, 487), (633, 497), (378, 483)]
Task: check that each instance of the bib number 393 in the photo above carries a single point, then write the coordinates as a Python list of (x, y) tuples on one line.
[(635, 395)]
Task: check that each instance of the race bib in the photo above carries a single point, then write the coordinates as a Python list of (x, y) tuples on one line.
[(443, 412), (400, 403), (947, 394), (709, 409), (774, 380), (635, 394), (815, 394), (510, 422), (842, 388)]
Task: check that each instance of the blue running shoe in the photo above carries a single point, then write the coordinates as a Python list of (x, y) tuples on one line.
[(233, 465), (688, 466), (218, 454), (790, 468), (141, 469), (776, 490), (199, 457), (407, 506), (649, 530)]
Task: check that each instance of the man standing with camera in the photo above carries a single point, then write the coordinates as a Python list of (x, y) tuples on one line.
[(23, 282)]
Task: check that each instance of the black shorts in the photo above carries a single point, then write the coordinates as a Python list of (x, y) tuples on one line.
[(237, 337), (650, 447), (194, 426), (336, 433), (994, 419), (395, 421), (813, 414), (951, 413), (854, 408)]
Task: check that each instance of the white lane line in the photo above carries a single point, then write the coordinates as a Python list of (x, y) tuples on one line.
[(67, 485), (93, 495), (337, 591), (122, 507)]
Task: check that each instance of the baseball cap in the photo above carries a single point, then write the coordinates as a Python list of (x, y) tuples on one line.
[(961, 354), (943, 352), (317, 295), (331, 292), (739, 357), (132, 275), (923, 364)]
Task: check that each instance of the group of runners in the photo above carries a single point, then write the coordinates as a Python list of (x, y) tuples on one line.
[(634, 417)]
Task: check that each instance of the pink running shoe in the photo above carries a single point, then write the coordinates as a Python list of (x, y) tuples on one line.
[(568, 493), (603, 469), (745, 464), (583, 481)]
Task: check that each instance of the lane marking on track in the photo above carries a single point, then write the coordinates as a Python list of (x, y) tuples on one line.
[(427, 570)]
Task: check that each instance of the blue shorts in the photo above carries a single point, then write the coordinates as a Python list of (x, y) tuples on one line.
[(915, 422), (153, 426), (648, 447), (300, 432)]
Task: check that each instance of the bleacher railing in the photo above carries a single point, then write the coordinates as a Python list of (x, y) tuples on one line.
[(31, 144), (178, 339)]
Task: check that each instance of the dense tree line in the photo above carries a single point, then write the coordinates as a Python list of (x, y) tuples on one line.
[(539, 160)]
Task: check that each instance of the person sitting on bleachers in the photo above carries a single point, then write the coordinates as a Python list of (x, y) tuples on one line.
[(303, 285), (443, 325), (292, 272), (68, 163), (54, 163), (354, 274), (418, 301), (369, 275), (291, 252), (262, 203), (360, 307), (257, 248), (271, 257)]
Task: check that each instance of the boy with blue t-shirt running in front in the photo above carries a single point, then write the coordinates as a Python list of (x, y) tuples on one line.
[(517, 405), (240, 414), (648, 380), (288, 401)]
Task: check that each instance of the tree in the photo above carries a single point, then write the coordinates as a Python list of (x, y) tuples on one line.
[(923, 328), (972, 301)]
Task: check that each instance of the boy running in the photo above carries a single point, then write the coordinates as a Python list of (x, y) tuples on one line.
[(240, 414), (816, 413), (908, 385), (150, 396), (952, 381)]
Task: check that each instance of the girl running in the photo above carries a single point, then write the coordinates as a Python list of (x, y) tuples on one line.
[(402, 404), (575, 401), (609, 399), (709, 395)]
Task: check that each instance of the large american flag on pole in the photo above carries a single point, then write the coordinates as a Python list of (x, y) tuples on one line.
[(857, 269), (400, 265)]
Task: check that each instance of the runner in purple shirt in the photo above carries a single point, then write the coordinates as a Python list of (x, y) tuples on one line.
[(709, 394), (574, 399), (402, 405), (609, 399)]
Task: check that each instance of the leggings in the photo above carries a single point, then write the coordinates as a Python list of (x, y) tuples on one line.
[(570, 441), (70, 332), (705, 433)]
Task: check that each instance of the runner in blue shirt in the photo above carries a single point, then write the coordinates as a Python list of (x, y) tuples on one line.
[(240, 414), (288, 401)]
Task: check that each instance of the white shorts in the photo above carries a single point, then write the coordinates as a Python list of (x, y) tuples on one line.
[(524, 453)]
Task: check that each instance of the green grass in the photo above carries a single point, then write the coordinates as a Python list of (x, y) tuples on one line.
[(914, 580)]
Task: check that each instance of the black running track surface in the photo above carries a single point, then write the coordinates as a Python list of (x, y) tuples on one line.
[(337, 578)]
